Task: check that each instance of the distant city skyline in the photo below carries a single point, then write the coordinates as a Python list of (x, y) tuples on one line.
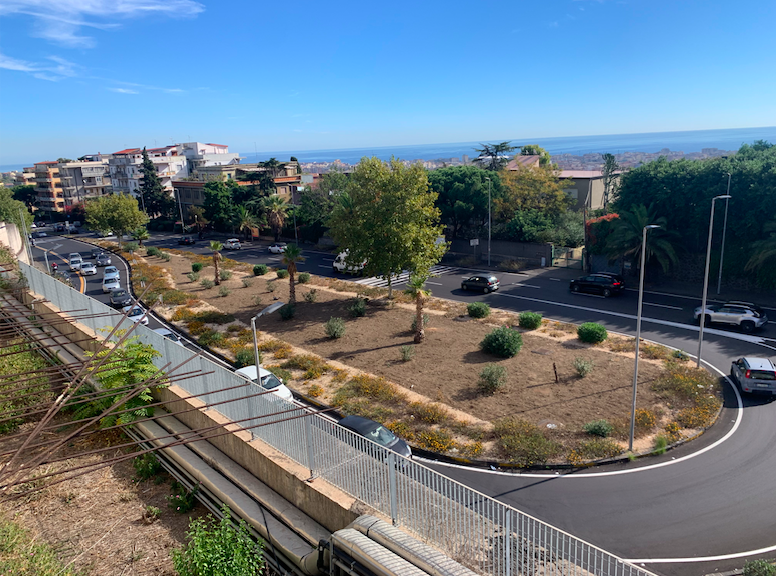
[(78, 77)]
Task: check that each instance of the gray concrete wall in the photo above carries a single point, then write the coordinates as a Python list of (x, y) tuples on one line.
[(503, 250)]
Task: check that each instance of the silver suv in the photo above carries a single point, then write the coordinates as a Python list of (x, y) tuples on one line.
[(743, 314), (754, 374)]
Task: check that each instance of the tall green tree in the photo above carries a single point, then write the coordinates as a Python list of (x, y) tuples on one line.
[(276, 210), (610, 176), (117, 212), (156, 200), (244, 221), (216, 247), (12, 210), (25, 193), (218, 204), (535, 150), (291, 257), (463, 195), (530, 188), (764, 251), (626, 238), (494, 156), (387, 218), (140, 234), (416, 287)]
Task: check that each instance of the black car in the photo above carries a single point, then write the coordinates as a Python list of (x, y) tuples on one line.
[(377, 433), (601, 283), (120, 298), (483, 283), (186, 241), (103, 259)]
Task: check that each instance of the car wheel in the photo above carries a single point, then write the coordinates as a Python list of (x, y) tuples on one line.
[(733, 376), (487, 291), (575, 288), (607, 292), (747, 327), (463, 287), (706, 320)]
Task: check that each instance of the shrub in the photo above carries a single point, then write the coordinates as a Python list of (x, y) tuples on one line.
[(277, 347), (257, 299), (529, 320), (407, 353), (193, 276), (429, 413), (401, 429), (196, 327), (182, 500), (645, 419), (225, 274), (357, 308), (524, 443), (759, 568), (282, 274), (215, 317), (207, 284), (582, 366), (287, 311), (334, 327), (315, 391), (414, 326), (196, 266), (313, 366), (223, 291), (260, 269), (166, 256), (600, 428), (244, 357), (435, 440), (211, 338), (595, 449), (503, 342), (130, 247), (510, 265), (247, 282), (680, 355), (660, 445), (303, 278), (492, 378), (311, 296), (654, 351), (154, 251), (146, 466), (271, 286), (478, 310), (592, 333), (182, 313)]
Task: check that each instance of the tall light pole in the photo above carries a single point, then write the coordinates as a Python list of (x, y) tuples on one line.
[(724, 229), (268, 310), (706, 277), (638, 329), (180, 207), (488, 179)]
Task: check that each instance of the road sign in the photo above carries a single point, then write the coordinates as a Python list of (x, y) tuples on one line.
[(474, 242)]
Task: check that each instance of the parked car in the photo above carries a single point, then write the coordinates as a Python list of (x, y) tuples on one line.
[(745, 315), (88, 268), (170, 335), (111, 272), (136, 314), (38, 234), (277, 247), (377, 433), (110, 284), (186, 241), (75, 261), (232, 244), (604, 284), (120, 298), (72, 230), (103, 259), (60, 227), (268, 381), (340, 266), (754, 374), (485, 283)]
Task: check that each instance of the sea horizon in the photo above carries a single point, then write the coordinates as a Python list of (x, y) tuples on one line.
[(686, 141)]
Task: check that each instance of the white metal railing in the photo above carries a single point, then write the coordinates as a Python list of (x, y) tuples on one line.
[(475, 529)]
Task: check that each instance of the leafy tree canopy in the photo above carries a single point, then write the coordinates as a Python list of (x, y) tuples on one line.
[(117, 212), (12, 210), (63, 160), (626, 239), (530, 188), (218, 203), (157, 200), (462, 195), (25, 193), (535, 150), (494, 156)]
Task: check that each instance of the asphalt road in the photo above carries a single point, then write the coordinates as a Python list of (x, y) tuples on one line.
[(712, 498)]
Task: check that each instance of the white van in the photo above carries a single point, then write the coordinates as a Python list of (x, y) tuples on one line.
[(268, 381), (341, 267)]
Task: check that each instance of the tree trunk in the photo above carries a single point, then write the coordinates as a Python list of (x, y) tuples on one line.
[(390, 286), (217, 279), (420, 332), (291, 287)]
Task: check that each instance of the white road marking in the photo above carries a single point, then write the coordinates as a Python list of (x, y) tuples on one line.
[(434, 283), (663, 306), (323, 266), (703, 558), (554, 279), (585, 294), (525, 285), (404, 277)]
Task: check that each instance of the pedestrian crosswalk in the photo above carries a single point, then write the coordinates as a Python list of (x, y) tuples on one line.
[(404, 277)]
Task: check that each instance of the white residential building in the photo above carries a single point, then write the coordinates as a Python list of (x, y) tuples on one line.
[(86, 178), (125, 167), (200, 155)]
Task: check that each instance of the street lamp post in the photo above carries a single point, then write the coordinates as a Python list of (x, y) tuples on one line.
[(268, 310), (724, 229), (488, 179), (638, 329), (706, 277)]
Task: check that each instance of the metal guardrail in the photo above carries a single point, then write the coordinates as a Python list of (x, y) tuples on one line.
[(472, 528)]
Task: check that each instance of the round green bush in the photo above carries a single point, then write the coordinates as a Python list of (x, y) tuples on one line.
[(282, 273), (303, 278), (492, 378), (503, 342), (244, 358), (260, 269), (225, 274), (196, 266), (207, 283), (529, 320), (478, 310), (600, 428), (334, 327), (287, 311), (153, 251), (759, 568), (357, 308), (592, 333)]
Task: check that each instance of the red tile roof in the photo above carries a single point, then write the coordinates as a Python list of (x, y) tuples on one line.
[(47, 162), (128, 151), (219, 145), (524, 161)]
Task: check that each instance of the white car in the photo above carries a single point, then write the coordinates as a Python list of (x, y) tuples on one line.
[(110, 284), (111, 272), (277, 247), (342, 267), (136, 314), (232, 244), (268, 381), (88, 268), (75, 261), (170, 335)]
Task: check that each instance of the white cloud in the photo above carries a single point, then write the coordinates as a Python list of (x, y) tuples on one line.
[(53, 71), (8, 63), (60, 21), (123, 90)]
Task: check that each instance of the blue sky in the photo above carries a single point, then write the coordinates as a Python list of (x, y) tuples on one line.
[(84, 76)]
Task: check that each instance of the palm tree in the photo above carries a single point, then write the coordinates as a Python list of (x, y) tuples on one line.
[(291, 257), (244, 221), (276, 209), (626, 238), (416, 287), (216, 247), (763, 251), (140, 234)]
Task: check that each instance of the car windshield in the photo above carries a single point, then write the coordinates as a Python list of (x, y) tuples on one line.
[(270, 382), (111, 269), (118, 294), (111, 281), (381, 435), (136, 312)]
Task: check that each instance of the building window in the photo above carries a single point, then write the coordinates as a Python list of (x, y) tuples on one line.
[(572, 193)]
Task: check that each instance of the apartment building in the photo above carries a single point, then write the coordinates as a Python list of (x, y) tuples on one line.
[(86, 178), (200, 155), (24, 178), (48, 187), (125, 167)]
